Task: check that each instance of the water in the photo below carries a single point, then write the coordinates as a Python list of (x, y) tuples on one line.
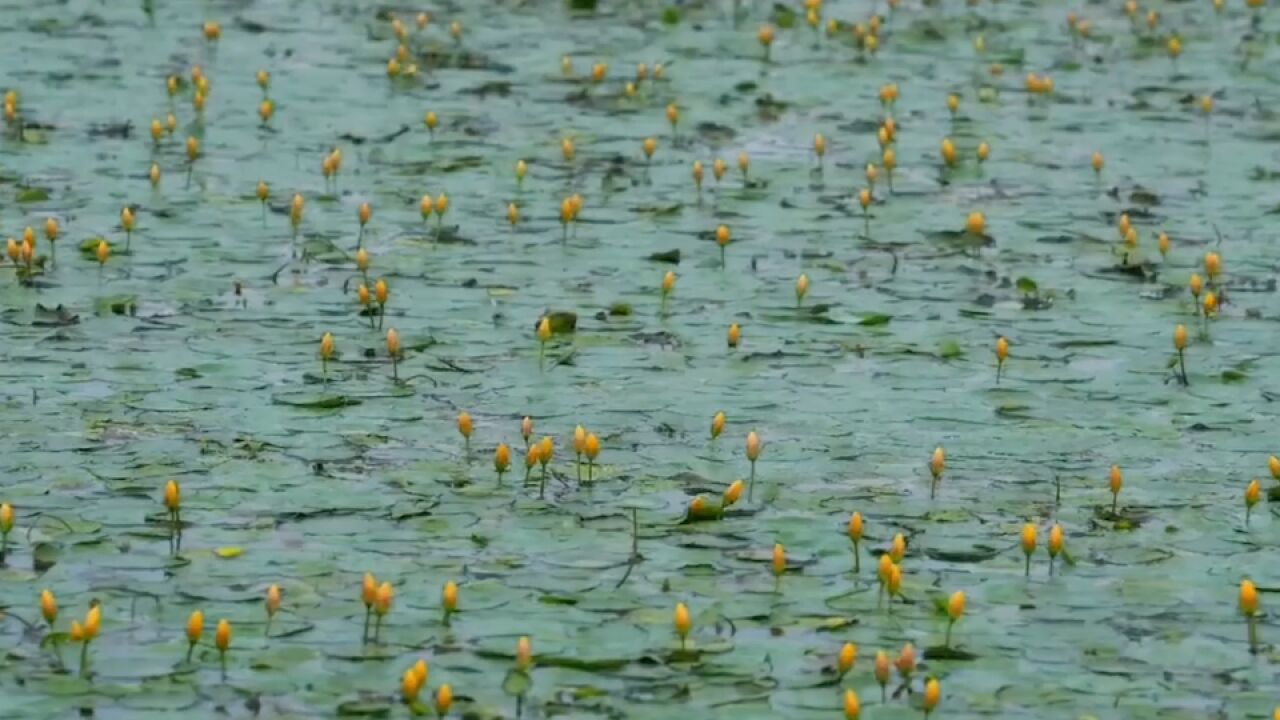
[(157, 369)]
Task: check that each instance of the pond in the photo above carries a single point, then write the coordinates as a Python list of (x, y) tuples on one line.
[(173, 332)]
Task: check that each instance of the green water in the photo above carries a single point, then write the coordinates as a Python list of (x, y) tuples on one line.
[(157, 370)]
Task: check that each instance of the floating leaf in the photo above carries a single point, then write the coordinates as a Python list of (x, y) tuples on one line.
[(32, 194), (516, 683), (229, 553), (875, 320)]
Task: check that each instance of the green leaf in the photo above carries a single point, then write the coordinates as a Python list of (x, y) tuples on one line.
[(116, 305), (1026, 286), (1234, 376), (875, 320), (32, 194), (949, 349), (671, 16), (516, 683)]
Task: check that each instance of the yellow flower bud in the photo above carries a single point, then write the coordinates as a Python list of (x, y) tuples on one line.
[(717, 425), (955, 605), (48, 607), (195, 627)]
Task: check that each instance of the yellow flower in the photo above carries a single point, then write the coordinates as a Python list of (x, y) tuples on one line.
[(753, 446), (48, 607), (855, 527), (851, 707), (735, 335), (938, 462), (1028, 538), (592, 446), (948, 150), (931, 695), (382, 602), (1180, 338), (1212, 264), (449, 597), (369, 590), (6, 518), (955, 605), (222, 637), (464, 424), (409, 687), (524, 653), (1002, 349), (195, 627), (898, 549), (848, 655), (172, 496), (1273, 464), (682, 622), (975, 224), (1252, 493), (1055, 541), (92, 621), (1248, 598), (984, 150), (502, 458), (779, 560), (273, 600), (802, 287), (882, 668), (1097, 162), (444, 698), (906, 662), (732, 493)]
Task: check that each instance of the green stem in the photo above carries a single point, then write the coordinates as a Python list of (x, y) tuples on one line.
[(591, 464), (635, 533), (191, 648), (368, 610), (751, 482), (1253, 635), (1028, 565), (577, 465), (857, 557), (84, 658), (542, 486)]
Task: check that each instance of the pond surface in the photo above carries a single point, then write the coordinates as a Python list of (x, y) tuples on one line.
[(152, 366)]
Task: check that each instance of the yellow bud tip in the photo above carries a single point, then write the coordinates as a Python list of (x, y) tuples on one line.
[(851, 707), (273, 599), (1028, 538), (48, 606), (975, 223), (753, 446), (1248, 598), (222, 636), (932, 693), (848, 654), (449, 596), (681, 620), (195, 627), (524, 653), (444, 699), (172, 496), (855, 527)]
